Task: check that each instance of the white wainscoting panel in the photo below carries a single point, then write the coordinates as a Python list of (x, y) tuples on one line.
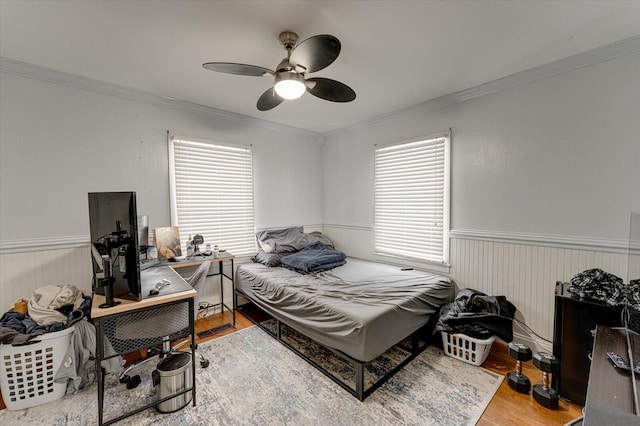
[(23, 272), (524, 271), (526, 274)]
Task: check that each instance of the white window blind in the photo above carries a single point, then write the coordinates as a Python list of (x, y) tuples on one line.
[(212, 193), (411, 193)]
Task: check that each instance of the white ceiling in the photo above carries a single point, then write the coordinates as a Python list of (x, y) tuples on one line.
[(395, 54)]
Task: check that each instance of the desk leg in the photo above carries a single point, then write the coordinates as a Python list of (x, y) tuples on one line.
[(233, 293), (99, 372), (192, 330), (221, 273)]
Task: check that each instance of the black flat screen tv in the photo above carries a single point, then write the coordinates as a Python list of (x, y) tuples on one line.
[(114, 244)]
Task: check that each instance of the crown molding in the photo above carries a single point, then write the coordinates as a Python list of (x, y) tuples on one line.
[(604, 53), (37, 72)]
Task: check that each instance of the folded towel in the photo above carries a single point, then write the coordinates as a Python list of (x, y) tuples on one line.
[(47, 299)]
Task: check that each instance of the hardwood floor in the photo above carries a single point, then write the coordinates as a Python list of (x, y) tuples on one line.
[(509, 407), (506, 408)]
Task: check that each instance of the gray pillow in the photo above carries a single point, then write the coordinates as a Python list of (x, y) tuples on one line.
[(288, 240), (268, 259), (285, 240)]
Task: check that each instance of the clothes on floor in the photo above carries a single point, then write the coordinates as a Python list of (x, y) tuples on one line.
[(478, 315), (78, 365)]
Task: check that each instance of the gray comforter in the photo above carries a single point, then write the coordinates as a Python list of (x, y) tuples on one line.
[(361, 308)]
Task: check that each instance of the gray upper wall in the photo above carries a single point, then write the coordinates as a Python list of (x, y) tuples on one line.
[(58, 142), (554, 157)]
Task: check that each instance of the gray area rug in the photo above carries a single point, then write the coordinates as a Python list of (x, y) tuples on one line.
[(253, 379)]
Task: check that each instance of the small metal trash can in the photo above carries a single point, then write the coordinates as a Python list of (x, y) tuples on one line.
[(174, 373)]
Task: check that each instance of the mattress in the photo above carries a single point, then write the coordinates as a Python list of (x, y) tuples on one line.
[(361, 308)]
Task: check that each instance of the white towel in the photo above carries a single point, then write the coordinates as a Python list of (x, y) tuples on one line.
[(46, 299)]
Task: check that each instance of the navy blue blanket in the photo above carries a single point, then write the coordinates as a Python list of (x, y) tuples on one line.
[(315, 257)]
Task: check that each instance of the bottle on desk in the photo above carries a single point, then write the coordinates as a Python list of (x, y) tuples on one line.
[(190, 247), (216, 250)]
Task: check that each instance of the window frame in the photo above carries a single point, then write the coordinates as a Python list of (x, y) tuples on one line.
[(173, 195), (440, 264)]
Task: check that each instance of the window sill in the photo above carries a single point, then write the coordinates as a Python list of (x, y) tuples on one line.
[(442, 268)]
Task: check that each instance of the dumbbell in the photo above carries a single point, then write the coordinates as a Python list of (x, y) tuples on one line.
[(518, 381), (544, 393)]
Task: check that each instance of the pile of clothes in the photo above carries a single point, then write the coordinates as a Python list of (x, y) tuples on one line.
[(477, 315), (596, 284), (53, 308)]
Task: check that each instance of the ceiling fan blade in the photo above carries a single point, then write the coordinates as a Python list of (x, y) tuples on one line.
[(316, 53), (238, 69), (330, 90), (269, 100)]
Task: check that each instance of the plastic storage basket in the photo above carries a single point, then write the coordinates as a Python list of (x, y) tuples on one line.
[(27, 371), (465, 348)]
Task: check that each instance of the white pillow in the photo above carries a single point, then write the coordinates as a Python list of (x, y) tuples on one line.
[(265, 247)]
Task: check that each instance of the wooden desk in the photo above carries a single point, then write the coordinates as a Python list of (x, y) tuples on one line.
[(132, 325), (610, 391)]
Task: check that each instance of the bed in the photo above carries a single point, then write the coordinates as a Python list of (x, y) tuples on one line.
[(358, 310)]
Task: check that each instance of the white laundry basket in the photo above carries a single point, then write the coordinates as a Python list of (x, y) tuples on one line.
[(468, 349), (27, 371)]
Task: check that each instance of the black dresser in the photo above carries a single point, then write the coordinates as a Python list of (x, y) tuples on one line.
[(573, 336)]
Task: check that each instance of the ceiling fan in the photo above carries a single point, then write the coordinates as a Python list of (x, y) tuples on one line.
[(311, 55)]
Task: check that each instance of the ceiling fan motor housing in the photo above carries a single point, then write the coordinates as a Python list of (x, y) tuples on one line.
[(288, 39)]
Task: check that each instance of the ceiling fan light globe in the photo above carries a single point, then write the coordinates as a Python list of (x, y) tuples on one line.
[(289, 85)]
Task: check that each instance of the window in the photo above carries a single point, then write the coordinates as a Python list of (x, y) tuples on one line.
[(212, 193), (411, 200)]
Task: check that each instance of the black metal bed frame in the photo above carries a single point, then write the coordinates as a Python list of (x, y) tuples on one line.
[(359, 366)]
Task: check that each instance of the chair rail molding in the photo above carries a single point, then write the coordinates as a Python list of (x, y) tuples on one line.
[(561, 241), (38, 244), (547, 240)]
